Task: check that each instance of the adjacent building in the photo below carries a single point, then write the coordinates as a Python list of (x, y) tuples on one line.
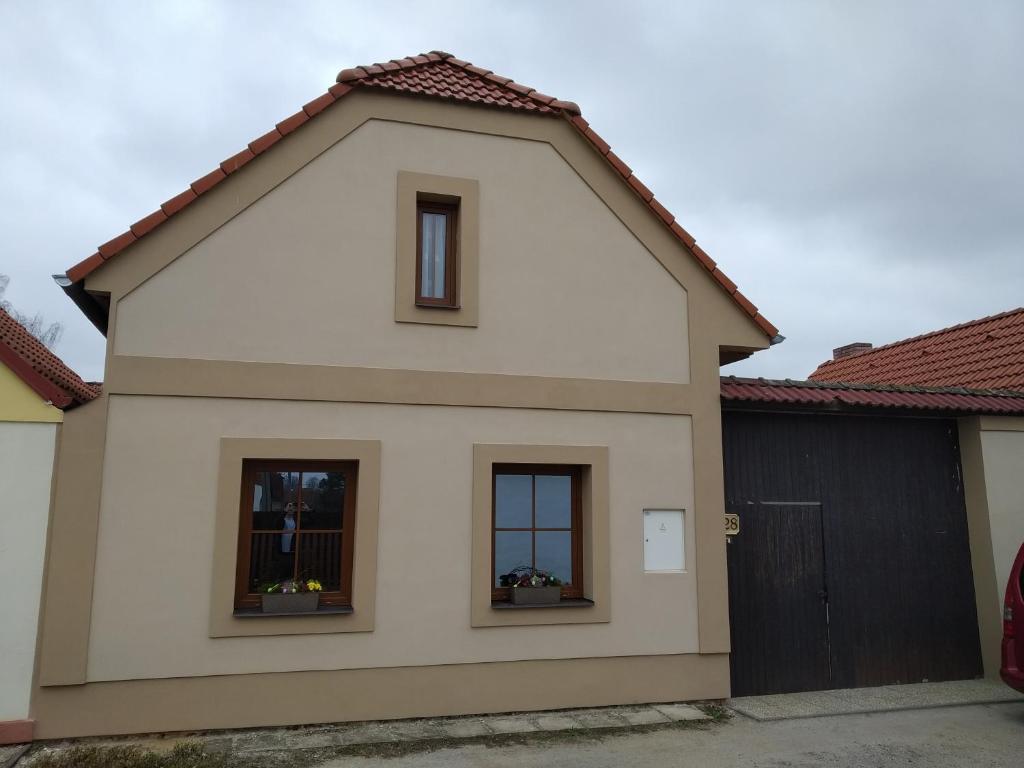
[(863, 555), (983, 354), (36, 387)]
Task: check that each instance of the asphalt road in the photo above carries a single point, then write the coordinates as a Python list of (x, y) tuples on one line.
[(979, 736)]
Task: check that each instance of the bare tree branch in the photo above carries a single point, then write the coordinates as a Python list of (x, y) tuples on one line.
[(49, 334)]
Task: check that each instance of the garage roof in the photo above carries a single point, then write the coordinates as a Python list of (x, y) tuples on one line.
[(832, 396)]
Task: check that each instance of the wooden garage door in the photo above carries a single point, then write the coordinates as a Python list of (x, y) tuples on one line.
[(875, 506)]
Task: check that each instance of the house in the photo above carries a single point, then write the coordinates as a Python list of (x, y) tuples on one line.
[(395, 345), (35, 389)]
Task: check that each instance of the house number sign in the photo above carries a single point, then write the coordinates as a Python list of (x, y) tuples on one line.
[(732, 524)]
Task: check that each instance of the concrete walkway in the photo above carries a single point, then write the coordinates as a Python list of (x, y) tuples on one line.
[(887, 698), (987, 735)]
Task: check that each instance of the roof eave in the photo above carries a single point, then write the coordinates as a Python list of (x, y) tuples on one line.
[(94, 309), (39, 384)]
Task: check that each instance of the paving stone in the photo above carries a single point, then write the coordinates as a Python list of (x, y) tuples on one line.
[(464, 728), (599, 718), (680, 712), (511, 724), (413, 730), (643, 716), (257, 741), (314, 739), (558, 722), (365, 733)]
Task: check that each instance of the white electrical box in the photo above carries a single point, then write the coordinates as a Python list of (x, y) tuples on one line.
[(664, 540)]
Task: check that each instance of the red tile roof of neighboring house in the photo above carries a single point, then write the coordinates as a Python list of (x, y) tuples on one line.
[(39, 368), (432, 75), (982, 354), (834, 396)]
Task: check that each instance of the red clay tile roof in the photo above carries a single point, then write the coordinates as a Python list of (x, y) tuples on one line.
[(39, 368), (433, 75), (831, 396), (982, 354)]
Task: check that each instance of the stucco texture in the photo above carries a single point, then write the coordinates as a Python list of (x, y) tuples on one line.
[(307, 273), (155, 559)]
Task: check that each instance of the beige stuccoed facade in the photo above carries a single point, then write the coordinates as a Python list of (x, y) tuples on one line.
[(556, 276), (266, 312), (423, 535)]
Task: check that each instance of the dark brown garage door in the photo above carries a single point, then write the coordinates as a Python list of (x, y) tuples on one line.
[(852, 565)]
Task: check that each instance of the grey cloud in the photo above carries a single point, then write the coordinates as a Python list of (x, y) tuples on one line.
[(855, 167)]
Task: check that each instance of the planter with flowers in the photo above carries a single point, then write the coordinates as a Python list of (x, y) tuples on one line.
[(530, 586), (291, 596)]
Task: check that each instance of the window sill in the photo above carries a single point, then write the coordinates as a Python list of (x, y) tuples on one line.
[(501, 605), (428, 305), (327, 610)]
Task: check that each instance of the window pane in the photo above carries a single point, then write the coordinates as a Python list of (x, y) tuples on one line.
[(511, 550), (432, 258), (272, 559), (554, 554), (323, 498), (320, 559), (271, 494), (513, 501), (554, 501), (439, 254)]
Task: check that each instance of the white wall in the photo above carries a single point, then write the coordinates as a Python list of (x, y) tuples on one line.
[(26, 466)]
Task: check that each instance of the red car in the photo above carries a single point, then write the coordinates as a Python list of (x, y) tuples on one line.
[(1013, 626)]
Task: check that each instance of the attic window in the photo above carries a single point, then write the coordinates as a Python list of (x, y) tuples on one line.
[(436, 253), (437, 249)]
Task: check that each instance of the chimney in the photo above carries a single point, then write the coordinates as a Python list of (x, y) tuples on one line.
[(851, 349)]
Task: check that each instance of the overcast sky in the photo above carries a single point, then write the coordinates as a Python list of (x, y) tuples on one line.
[(856, 167)]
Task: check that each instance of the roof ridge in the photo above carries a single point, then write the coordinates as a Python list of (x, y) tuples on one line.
[(365, 72), (922, 336)]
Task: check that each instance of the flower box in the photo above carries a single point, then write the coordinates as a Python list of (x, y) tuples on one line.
[(290, 602), (536, 595)]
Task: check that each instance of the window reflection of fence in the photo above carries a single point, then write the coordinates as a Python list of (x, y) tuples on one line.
[(319, 557)]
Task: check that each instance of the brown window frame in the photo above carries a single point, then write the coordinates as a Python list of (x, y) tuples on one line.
[(450, 211), (574, 591), (250, 468)]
